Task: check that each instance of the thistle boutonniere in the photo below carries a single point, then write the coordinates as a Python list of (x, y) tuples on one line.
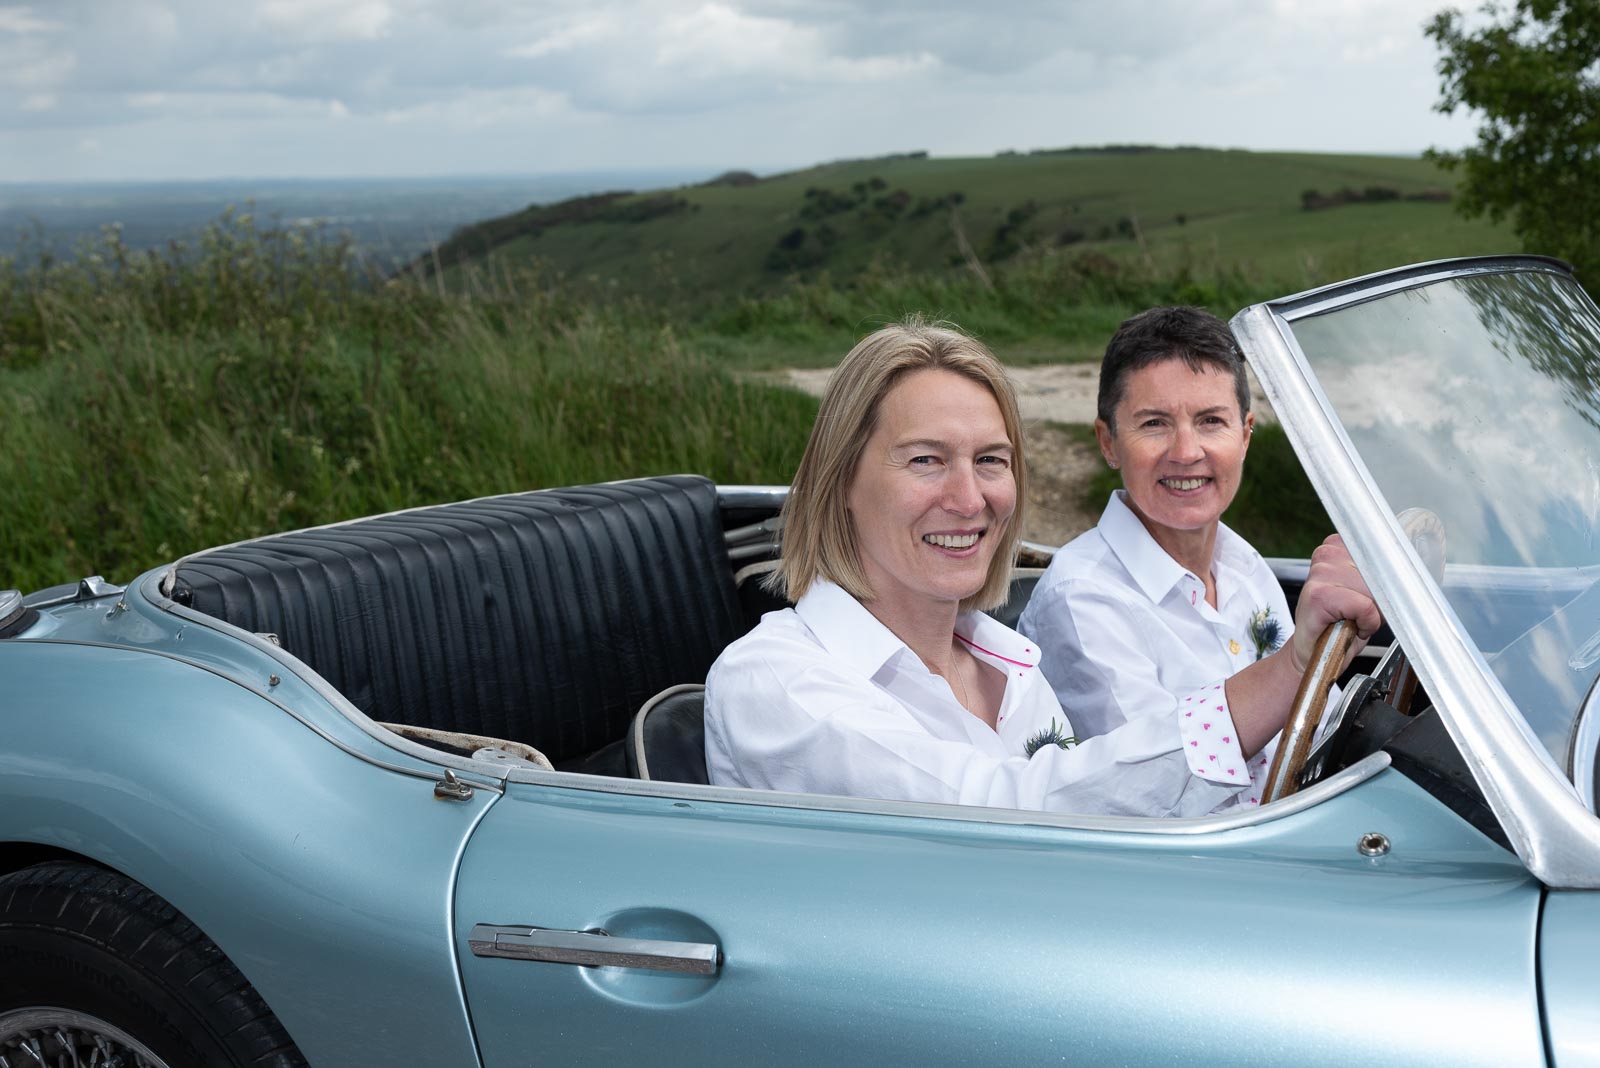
[(1266, 633), (1049, 736)]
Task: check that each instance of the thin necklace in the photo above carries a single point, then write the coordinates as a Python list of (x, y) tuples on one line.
[(955, 672)]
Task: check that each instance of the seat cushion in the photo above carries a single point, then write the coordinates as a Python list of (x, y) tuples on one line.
[(668, 740), (545, 617)]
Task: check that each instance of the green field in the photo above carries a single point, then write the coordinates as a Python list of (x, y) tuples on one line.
[(152, 404), (1241, 209)]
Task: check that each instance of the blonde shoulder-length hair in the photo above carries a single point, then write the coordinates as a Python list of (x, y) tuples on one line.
[(819, 538)]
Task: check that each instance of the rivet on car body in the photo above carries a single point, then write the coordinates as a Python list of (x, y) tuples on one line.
[(1373, 844), (273, 680)]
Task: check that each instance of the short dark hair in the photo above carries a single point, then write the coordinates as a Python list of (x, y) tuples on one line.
[(1192, 335)]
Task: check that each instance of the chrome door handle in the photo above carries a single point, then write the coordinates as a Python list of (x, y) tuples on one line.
[(593, 948)]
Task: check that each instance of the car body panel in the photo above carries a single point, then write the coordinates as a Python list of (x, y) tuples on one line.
[(858, 938), (326, 879), (1569, 976)]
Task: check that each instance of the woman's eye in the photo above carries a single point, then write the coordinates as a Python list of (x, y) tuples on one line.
[(922, 461), (995, 461)]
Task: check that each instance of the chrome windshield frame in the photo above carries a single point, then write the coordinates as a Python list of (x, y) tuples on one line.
[(1554, 834)]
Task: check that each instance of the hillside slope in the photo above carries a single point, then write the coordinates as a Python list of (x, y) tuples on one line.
[(1304, 218)]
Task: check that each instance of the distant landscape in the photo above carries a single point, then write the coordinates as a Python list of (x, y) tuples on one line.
[(388, 220), (164, 388)]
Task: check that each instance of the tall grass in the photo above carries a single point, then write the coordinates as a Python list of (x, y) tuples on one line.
[(1050, 305), (155, 403)]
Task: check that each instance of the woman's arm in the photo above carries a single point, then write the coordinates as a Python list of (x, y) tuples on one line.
[(1259, 695)]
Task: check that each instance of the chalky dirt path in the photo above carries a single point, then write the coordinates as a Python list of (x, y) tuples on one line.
[(1060, 465)]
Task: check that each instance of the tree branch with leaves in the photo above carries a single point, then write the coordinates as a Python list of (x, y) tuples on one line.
[(1532, 71)]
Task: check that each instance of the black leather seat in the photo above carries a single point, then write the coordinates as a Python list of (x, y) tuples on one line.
[(667, 742), (545, 618)]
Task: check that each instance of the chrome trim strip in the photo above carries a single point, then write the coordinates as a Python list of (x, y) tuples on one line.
[(752, 496), (11, 606), (1384, 283), (1331, 787), (91, 588), (593, 949), (1585, 740), (1285, 569), (1540, 812)]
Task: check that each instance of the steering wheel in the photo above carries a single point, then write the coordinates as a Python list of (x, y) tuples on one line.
[(1426, 532)]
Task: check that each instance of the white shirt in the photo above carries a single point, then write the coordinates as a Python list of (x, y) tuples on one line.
[(1126, 632), (823, 698)]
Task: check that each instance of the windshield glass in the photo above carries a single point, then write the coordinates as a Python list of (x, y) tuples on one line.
[(1477, 399)]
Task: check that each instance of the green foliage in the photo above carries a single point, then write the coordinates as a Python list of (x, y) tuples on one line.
[(1275, 510), (170, 402), (1530, 72)]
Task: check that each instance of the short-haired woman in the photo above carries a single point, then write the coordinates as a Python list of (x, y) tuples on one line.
[(886, 680), (1161, 597)]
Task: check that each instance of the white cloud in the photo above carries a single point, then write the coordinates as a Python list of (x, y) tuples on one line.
[(32, 70), (39, 101), (566, 38), (328, 20), (481, 109), (22, 20)]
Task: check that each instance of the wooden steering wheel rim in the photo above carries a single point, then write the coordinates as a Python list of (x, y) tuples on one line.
[(1310, 702)]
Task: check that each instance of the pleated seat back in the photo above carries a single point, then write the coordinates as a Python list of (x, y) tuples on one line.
[(546, 617)]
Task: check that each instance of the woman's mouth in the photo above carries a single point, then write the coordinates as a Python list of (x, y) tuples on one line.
[(953, 541), (1190, 483)]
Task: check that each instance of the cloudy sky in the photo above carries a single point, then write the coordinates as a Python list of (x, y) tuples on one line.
[(143, 89)]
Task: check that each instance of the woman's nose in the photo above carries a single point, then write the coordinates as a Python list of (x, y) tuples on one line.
[(1186, 445), (963, 496)]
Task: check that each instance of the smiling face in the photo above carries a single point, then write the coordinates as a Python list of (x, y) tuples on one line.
[(932, 493), (1180, 443)]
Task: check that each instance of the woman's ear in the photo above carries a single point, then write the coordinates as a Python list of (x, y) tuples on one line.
[(1249, 429), (1107, 439)]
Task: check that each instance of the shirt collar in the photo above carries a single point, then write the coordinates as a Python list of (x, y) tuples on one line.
[(855, 636), (1152, 568), (846, 629), (1154, 571)]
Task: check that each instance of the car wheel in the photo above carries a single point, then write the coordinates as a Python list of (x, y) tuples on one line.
[(95, 969)]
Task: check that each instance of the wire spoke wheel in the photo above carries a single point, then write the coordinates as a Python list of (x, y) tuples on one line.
[(61, 1038)]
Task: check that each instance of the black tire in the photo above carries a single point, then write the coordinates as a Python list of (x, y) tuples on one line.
[(97, 947)]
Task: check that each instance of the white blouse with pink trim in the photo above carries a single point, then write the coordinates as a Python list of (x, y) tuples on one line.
[(823, 698)]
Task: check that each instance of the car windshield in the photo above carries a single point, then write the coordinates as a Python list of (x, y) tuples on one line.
[(1476, 397)]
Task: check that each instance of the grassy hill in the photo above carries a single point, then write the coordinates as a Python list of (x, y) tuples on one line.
[(1196, 210)]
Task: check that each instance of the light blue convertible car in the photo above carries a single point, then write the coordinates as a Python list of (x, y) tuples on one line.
[(426, 788)]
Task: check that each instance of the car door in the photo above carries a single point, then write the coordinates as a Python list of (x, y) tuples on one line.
[(851, 932)]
